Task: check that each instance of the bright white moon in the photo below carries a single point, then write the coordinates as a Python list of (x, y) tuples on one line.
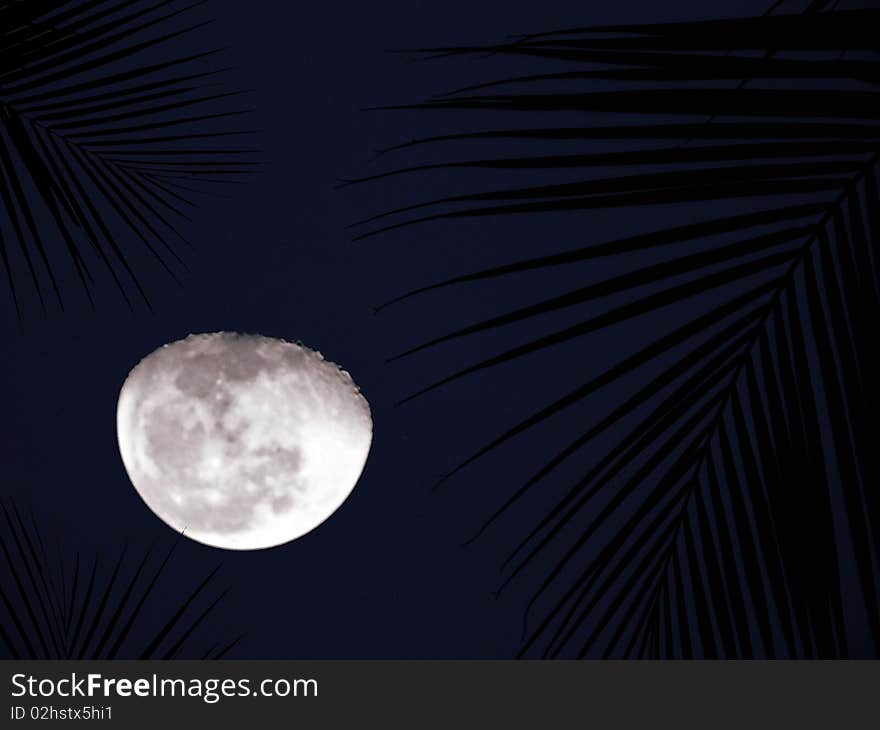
[(243, 441)]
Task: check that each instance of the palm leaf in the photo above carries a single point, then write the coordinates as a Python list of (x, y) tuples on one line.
[(100, 122), (735, 512), (51, 610)]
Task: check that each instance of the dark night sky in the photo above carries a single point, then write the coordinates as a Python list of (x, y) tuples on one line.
[(386, 576)]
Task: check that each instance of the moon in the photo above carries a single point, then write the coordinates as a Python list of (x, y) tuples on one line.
[(242, 441)]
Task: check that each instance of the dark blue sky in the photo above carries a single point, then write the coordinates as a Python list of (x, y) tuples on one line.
[(386, 576)]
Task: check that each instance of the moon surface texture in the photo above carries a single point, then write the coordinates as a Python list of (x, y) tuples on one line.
[(242, 441)]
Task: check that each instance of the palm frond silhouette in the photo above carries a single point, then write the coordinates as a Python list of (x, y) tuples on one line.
[(70, 607), (735, 511), (107, 135)]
